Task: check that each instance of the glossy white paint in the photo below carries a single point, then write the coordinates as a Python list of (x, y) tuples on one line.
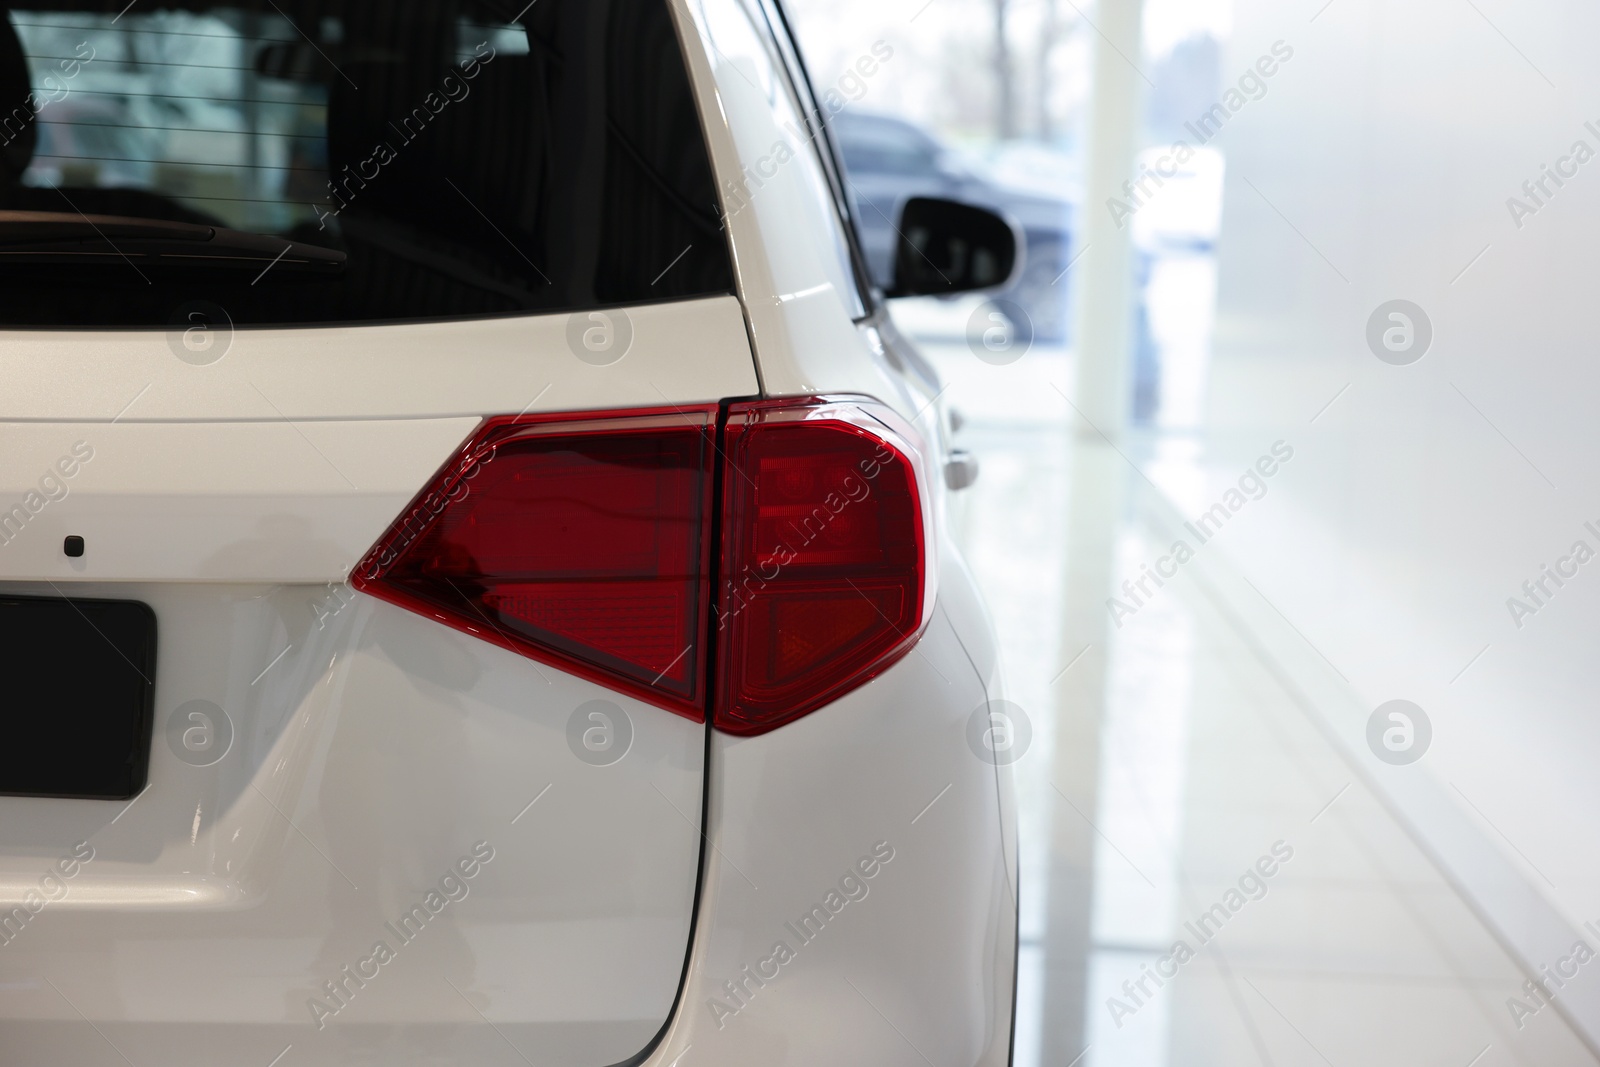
[(286, 459), (920, 968), (923, 965), (381, 747), (210, 501), (376, 751), (786, 239), (689, 352), (365, 763)]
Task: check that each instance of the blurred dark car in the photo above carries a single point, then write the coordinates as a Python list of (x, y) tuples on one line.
[(890, 160)]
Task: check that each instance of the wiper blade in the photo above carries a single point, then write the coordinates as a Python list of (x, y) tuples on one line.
[(46, 237)]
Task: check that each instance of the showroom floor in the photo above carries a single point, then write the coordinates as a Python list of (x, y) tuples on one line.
[(1176, 790)]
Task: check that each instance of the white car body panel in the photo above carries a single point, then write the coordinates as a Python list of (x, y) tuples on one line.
[(694, 351), (926, 952), (934, 955), (364, 763), (214, 501), (286, 459), (374, 748), (234, 499), (787, 266)]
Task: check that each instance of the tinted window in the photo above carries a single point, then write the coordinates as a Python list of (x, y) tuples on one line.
[(347, 160)]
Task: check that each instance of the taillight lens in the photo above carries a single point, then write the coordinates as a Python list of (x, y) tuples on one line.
[(825, 538), (584, 541), (577, 541)]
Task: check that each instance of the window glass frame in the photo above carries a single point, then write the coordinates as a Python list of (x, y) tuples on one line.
[(825, 151)]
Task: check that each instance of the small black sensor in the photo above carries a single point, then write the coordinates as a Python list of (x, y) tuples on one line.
[(73, 546)]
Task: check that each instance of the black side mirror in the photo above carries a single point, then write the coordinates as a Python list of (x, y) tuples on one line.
[(947, 247)]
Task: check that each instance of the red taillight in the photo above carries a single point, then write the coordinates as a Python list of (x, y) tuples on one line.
[(580, 542), (824, 549), (584, 541)]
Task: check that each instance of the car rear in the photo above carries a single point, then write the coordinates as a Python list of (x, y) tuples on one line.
[(472, 567), (255, 810)]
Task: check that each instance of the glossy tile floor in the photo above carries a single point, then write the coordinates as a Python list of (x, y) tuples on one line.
[(1175, 791)]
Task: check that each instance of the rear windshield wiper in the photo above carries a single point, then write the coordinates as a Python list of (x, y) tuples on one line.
[(52, 237)]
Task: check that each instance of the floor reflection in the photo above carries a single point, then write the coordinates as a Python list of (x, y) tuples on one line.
[(1204, 880)]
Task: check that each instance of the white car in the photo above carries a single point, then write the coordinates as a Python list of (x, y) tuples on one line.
[(474, 586)]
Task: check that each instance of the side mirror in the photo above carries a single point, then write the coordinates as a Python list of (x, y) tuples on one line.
[(947, 247)]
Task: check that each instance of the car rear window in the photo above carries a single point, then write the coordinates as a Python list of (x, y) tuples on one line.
[(333, 161)]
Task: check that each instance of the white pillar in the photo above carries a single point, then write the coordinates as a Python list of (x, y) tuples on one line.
[(1103, 299), (1104, 295)]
